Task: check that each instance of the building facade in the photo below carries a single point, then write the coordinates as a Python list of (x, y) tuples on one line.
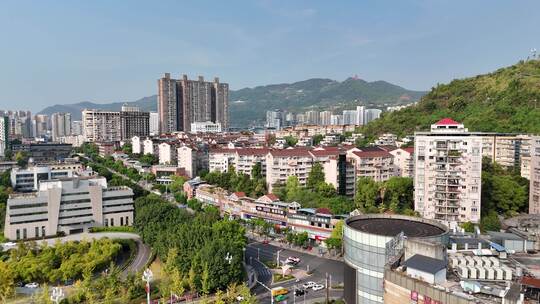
[(101, 125), (60, 125), (134, 122), (182, 102), (448, 167), (534, 188), (70, 205)]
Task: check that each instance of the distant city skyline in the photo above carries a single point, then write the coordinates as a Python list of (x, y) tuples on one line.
[(100, 51)]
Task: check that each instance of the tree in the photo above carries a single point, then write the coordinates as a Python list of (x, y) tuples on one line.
[(7, 282), (290, 141), (205, 280), (315, 176), (292, 188), (177, 283), (127, 148), (256, 171), (21, 159), (490, 222), (317, 139), (336, 237), (468, 227), (367, 194)]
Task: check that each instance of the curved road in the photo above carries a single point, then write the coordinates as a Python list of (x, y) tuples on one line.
[(139, 261)]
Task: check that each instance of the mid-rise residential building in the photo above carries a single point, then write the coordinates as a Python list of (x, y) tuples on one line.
[(205, 127), (167, 153), (403, 161), (190, 160), (136, 145), (374, 163), (448, 167), (183, 101), (247, 158), (220, 159), (534, 188), (68, 205), (20, 124), (280, 164), (101, 125), (133, 122), (387, 139), (60, 125)]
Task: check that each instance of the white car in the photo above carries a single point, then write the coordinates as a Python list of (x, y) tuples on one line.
[(9, 244), (318, 287), (309, 284), (292, 260), (32, 285)]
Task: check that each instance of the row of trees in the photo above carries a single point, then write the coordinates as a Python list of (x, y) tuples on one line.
[(205, 250), (254, 185), (316, 194), (5, 190), (61, 262)]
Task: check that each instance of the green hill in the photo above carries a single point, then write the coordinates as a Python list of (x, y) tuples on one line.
[(507, 100)]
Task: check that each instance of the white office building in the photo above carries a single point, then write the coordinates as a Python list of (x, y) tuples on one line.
[(70, 205), (154, 123), (448, 167)]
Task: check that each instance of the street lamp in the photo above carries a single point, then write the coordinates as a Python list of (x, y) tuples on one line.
[(57, 295), (278, 256), (147, 277)]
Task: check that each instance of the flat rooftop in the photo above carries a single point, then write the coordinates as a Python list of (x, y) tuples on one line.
[(392, 226)]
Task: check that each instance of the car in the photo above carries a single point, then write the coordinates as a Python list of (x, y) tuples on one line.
[(317, 287), (9, 244), (300, 292), (309, 284), (32, 285), (280, 298), (292, 260)]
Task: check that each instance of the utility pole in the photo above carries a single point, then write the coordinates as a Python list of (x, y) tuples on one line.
[(327, 290), (269, 289), (277, 258)]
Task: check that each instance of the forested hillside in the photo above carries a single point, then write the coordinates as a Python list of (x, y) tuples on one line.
[(507, 100)]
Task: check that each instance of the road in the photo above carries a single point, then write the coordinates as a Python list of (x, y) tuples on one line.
[(318, 265)]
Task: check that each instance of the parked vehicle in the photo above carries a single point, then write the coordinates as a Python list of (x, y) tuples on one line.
[(32, 285), (309, 284), (276, 291), (292, 260), (300, 292), (280, 298), (318, 287)]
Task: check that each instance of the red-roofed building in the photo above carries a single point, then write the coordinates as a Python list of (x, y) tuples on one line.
[(448, 124), (280, 164), (374, 163), (403, 161)]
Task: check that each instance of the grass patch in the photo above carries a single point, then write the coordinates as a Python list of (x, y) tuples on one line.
[(277, 278), (270, 264), (112, 229)]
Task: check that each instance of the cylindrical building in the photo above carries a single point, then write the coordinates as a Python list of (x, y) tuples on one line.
[(369, 241)]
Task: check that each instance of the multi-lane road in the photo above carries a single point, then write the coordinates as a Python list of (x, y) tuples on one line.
[(317, 265)]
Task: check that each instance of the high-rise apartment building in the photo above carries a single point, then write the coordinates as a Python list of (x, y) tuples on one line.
[(4, 135), (336, 120), (76, 127), (183, 101), (274, 119), (360, 115), (41, 125), (312, 117), (154, 123), (101, 126), (60, 125), (371, 114), (20, 124), (448, 167), (134, 122), (325, 118), (349, 117), (534, 188)]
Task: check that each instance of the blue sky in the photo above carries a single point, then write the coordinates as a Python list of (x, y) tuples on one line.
[(56, 52)]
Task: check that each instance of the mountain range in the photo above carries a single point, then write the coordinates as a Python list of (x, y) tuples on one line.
[(248, 106)]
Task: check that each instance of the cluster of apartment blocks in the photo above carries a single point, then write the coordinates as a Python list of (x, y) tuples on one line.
[(318, 223)]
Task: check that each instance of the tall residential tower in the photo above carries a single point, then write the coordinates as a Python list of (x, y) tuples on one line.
[(183, 101)]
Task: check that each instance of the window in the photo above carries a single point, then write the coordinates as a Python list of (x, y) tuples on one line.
[(43, 231), (112, 222), (127, 220), (18, 234), (121, 221), (36, 232), (25, 235), (106, 222)]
